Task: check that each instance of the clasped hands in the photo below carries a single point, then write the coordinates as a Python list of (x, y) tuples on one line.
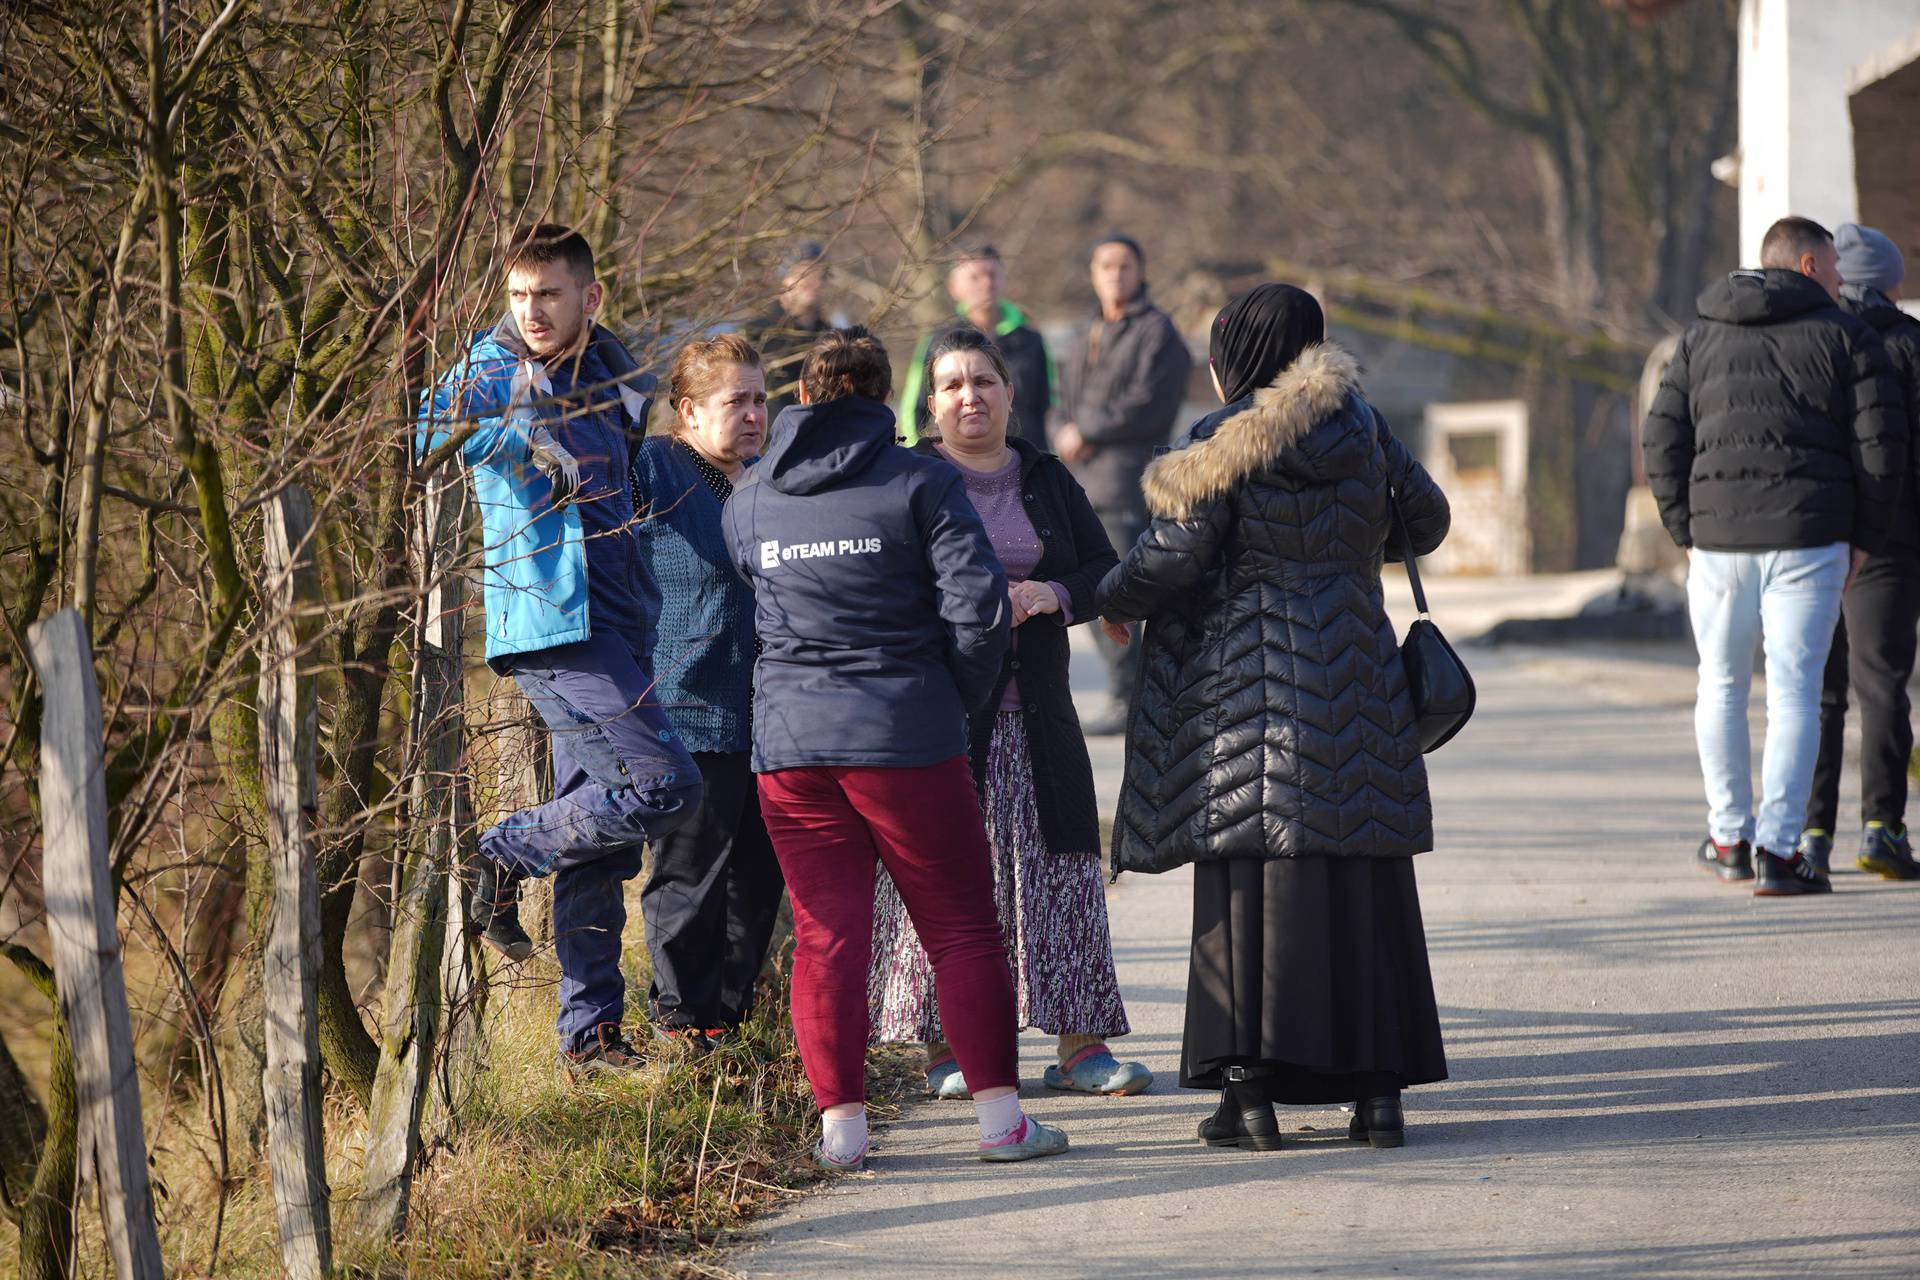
[(1030, 599)]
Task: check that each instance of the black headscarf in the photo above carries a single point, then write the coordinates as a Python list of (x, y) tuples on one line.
[(1260, 333)]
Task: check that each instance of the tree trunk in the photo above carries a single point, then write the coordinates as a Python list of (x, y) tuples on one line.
[(1569, 169), (345, 1042), (213, 914), (243, 1029), (413, 1016), (46, 1225), (23, 1131)]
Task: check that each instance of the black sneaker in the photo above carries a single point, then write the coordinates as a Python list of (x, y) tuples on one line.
[(1728, 861), (1884, 854), (695, 1041), (1816, 846), (607, 1054), (1786, 877), (493, 910)]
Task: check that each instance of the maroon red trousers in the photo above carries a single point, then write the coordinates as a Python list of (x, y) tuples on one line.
[(830, 825)]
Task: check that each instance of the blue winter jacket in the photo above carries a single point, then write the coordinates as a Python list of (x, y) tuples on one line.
[(881, 606), (703, 636), (535, 564)]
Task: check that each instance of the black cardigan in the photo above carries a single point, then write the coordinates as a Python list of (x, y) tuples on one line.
[(1075, 553)]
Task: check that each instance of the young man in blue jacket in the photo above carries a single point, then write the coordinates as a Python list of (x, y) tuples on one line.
[(543, 406)]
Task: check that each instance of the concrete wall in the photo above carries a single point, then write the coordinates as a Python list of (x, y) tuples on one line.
[(1798, 60), (1885, 107)]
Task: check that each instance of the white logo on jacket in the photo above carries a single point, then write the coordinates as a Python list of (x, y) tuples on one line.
[(772, 553)]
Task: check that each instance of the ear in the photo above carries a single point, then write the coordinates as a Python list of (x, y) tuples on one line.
[(595, 294), (801, 388), (685, 409)]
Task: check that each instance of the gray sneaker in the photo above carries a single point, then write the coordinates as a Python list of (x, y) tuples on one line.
[(1036, 1140)]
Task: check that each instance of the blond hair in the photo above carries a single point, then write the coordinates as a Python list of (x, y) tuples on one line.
[(700, 366)]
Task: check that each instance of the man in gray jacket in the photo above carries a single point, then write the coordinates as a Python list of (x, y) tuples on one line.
[(1121, 388)]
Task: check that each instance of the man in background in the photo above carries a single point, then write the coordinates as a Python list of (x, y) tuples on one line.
[(1120, 395), (976, 284), (1775, 449), (785, 334), (1873, 647)]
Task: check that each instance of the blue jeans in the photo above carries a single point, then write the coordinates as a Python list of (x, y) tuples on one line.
[(1789, 601), (620, 777)]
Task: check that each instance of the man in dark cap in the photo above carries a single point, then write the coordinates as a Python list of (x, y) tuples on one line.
[(1120, 394), (786, 333), (1873, 647)]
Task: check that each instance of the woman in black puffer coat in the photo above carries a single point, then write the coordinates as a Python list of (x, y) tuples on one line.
[(1271, 741)]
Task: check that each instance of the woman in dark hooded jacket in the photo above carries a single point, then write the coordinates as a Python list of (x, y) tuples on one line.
[(883, 617), (1271, 741)]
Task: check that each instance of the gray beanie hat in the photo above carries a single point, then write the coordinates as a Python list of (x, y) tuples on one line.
[(1868, 257)]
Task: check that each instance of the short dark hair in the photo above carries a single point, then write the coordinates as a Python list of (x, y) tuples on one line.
[(975, 251), (847, 362), (1789, 238), (548, 242)]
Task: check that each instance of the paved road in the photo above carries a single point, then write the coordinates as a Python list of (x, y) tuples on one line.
[(1652, 1074)]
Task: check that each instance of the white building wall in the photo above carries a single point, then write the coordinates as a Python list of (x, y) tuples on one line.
[(1797, 59)]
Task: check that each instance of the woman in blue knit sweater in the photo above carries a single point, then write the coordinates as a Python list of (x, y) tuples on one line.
[(714, 888)]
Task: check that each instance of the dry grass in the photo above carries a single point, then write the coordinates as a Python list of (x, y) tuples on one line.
[(645, 1176)]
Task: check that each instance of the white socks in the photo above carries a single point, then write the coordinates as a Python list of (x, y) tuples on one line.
[(1000, 1120), (844, 1138)]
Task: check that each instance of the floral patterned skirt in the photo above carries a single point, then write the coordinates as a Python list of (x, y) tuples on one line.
[(1053, 910)]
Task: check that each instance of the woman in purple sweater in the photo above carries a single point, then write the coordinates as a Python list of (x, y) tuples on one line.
[(1029, 758)]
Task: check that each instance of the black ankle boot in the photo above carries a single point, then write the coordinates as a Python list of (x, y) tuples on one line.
[(493, 910), (1378, 1121), (1245, 1118)]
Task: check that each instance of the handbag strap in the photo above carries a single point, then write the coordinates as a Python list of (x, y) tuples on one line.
[(1406, 539), (1412, 561)]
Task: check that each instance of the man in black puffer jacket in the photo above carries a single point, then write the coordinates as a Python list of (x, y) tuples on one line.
[(1775, 449), (1873, 648)]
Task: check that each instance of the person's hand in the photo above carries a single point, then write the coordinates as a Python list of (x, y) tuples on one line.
[(1116, 632), (560, 468), (1854, 561), (1070, 444), (1030, 599)]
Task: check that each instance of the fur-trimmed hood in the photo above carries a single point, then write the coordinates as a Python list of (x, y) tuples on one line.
[(1305, 394)]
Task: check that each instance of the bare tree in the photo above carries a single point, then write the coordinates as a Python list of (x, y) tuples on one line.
[(1590, 80), (241, 239)]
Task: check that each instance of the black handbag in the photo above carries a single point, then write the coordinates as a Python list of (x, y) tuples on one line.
[(1438, 682)]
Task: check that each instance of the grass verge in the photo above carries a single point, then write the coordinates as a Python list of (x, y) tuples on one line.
[(642, 1176)]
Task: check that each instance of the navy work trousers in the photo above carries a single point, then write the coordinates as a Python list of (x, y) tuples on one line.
[(620, 778)]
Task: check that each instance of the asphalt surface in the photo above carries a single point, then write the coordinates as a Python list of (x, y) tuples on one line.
[(1653, 1074)]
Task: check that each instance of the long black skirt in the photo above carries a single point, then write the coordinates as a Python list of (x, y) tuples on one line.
[(1314, 969)]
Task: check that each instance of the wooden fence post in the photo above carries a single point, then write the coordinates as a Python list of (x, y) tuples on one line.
[(413, 989), (527, 781), (296, 1144), (86, 943), (463, 982), (463, 975)]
